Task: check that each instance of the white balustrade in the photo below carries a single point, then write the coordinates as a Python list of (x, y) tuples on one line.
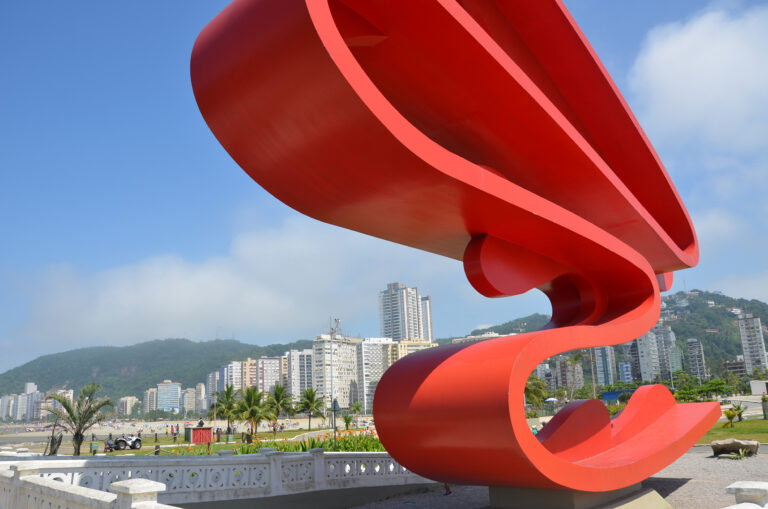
[(189, 479), (22, 487)]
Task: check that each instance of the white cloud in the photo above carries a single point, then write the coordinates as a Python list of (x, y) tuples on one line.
[(704, 80), (273, 285), (699, 89)]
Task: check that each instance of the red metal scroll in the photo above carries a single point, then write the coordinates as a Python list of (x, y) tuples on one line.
[(484, 131)]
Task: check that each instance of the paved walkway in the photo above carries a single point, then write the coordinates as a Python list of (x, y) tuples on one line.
[(696, 481)]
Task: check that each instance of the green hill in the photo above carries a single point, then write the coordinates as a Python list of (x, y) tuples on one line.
[(130, 370), (706, 316)]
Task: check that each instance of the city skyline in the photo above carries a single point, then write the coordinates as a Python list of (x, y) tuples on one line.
[(127, 222)]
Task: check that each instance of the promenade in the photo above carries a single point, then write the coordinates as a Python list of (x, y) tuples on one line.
[(695, 481)]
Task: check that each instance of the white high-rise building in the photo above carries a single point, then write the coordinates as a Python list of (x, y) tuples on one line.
[(211, 387), (696, 362), (188, 400), (404, 314), (20, 407), (335, 369), (670, 358), (29, 388), (268, 373), (201, 402), (752, 343), (231, 374), (373, 359), (150, 400), (644, 355), (426, 318), (605, 365), (299, 372)]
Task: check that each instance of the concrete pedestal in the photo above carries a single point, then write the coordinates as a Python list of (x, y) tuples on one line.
[(631, 497)]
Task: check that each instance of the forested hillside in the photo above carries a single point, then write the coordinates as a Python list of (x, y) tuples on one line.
[(711, 317), (130, 370)]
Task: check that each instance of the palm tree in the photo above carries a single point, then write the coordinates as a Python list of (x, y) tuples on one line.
[(347, 420), (356, 408), (535, 391), (252, 408), (311, 405), (226, 401), (280, 401), (739, 409), (78, 417)]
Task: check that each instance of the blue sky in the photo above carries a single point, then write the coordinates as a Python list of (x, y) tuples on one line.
[(123, 220)]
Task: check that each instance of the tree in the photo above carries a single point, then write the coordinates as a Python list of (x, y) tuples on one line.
[(347, 420), (730, 415), (252, 409), (78, 417), (739, 409), (535, 391), (356, 408), (280, 401), (311, 405), (226, 401)]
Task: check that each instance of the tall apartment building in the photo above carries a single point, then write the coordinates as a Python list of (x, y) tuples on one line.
[(373, 359), (644, 355), (696, 363), (605, 365), (125, 404), (29, 388), (567, 375), (6, 405), (211, 387), (625, 371), (231, 374), (169, 396), (299, 372), (150, 400), (249, 371), (426, 318), (20, 407), (268, 373), (335, 369), (752, 343), (403, 313), (201, 402), (188, 400), (670, 359)]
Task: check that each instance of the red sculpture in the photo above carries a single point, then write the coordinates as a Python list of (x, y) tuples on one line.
[(484, 131)]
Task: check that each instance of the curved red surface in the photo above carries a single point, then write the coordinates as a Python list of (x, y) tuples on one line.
[(488, 132)]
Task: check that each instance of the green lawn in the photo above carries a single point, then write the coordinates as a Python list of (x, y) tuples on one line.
[(753, 429)]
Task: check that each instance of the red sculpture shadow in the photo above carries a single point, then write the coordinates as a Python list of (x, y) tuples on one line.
[(488, 132)]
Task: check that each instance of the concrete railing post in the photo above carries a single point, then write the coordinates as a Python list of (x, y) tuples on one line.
[(755, 492), (275, 470), (134, 491), (318, 461), (20, 471)]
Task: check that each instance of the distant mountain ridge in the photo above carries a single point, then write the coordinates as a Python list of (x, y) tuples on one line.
[(130, 370)]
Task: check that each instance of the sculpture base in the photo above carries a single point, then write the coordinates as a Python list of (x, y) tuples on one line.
[(631, 497)]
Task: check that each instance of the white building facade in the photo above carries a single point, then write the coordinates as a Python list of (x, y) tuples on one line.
[(752, 343), (373, 359)]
